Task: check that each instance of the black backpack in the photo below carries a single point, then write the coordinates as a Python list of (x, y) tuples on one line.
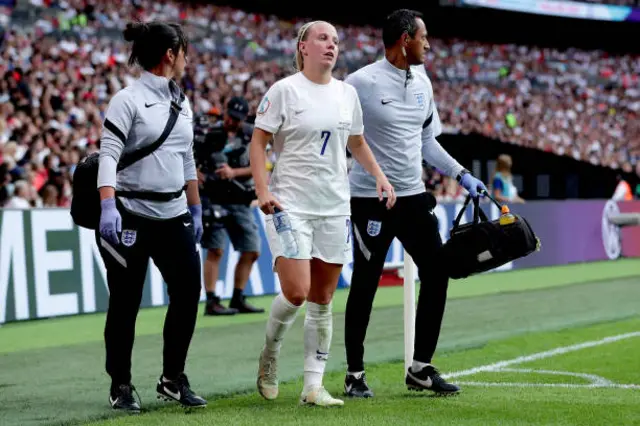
[(483, 245), (85, 202)]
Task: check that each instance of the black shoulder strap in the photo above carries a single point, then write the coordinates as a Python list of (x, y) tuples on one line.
[(128, 159), (427, 121)]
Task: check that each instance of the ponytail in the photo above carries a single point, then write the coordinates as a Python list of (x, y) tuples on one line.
[(151, 41), (302, 36)]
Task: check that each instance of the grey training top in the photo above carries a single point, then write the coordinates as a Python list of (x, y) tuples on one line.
[(401, 123), (136, 117)]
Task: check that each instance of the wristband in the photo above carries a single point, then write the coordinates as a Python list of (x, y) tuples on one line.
[(461, 174)]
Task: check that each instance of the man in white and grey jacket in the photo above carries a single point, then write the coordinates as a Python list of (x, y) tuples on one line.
[(401, 123)]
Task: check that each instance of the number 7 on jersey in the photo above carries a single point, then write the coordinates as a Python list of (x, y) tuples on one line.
[(324, 135)]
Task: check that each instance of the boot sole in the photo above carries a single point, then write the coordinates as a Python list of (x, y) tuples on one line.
[(350, 395), (164, 397), (417, 388)]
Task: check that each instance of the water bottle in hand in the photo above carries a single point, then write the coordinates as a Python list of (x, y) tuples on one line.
[(282, 222)]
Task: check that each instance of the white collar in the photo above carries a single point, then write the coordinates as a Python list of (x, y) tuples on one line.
[(393, 68), (167, 88)]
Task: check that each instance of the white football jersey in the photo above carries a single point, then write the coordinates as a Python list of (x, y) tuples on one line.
[(311, 124)]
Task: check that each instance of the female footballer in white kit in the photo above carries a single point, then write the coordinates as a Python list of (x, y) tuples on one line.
[(312, 118)]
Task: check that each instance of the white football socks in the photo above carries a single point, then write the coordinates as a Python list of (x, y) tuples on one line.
[(281, 317), (356, 374), (418, 366), (318, 329)]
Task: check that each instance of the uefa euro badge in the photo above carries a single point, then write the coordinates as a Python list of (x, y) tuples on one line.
[(420, 100), (129, 237), (373, 228), (264, 106)]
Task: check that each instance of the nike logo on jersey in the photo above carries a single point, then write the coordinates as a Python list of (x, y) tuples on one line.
[(147, 105), (386, 101), (186, 225)]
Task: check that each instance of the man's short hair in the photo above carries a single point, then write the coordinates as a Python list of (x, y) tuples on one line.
[(397, 23)]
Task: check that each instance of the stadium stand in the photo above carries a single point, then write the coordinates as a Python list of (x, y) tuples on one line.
[(60, 61)]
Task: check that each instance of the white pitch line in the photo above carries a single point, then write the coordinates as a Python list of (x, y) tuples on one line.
[(541, 355), (548, 385), (595, 380)]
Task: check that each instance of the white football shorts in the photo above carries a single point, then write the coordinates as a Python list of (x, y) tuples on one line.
[(324, 238)]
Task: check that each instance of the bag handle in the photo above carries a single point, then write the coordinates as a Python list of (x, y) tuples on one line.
[(458, 218), (486, 194), (128, 159), (478, 213)]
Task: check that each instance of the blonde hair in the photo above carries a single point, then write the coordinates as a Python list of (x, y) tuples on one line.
[(302, 36), (503, 166), (504, 163)]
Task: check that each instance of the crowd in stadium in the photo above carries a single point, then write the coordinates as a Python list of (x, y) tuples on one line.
[(59, 71)]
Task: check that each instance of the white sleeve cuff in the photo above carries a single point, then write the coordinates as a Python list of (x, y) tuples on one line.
[(266, 127), (107, 171)]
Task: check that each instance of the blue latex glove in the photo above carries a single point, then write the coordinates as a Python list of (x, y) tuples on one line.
[(473, 185), (196, 213), (110, 221)]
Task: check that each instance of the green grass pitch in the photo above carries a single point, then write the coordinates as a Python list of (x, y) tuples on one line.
[(543, 346)]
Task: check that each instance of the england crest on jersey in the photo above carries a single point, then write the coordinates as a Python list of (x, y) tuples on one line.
[(420, 99), (373, 228), (129, 237)]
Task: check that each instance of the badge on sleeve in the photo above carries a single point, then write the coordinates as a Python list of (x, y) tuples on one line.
[(129, 237), (373, 228), (264, 106)]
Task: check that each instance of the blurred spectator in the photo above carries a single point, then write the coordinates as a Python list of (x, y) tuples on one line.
[(444, 188), (21, 196), (50, 196), (502, 186), (623, 190), (6, 186)]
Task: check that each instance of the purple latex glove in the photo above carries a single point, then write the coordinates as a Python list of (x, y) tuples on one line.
[(110, 221), (196, 213), (473, 185)]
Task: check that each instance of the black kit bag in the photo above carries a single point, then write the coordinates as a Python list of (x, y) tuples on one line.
[(483, 245), (85, 202)]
